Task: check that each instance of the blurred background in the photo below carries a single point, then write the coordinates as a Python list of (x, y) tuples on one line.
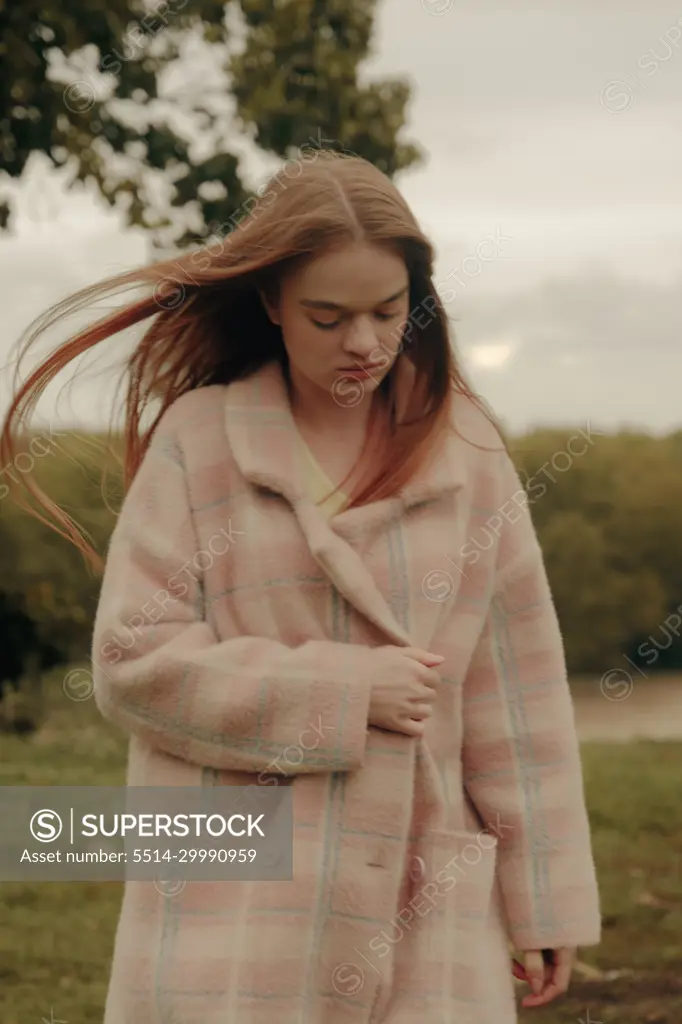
[(539, 146)]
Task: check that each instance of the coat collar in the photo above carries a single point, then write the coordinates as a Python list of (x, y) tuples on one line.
[(265, 443), (264, 440)]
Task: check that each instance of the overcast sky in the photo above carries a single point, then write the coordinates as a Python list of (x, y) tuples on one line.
[(553, 126)]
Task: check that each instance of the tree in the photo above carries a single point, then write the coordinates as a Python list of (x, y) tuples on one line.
[(89, 85), (59, 590), (298, 74), (74, 82), (607, 521), (600, 607), (607, 517)]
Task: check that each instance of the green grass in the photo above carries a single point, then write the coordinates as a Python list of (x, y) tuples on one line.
[(56, 939)]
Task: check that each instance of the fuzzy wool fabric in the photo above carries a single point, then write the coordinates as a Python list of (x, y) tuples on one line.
[(235, 618)]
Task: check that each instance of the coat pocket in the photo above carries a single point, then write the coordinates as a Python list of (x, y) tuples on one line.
[(451, 881)]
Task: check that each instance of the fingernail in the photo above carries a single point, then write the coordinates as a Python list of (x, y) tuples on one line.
[(437, 657)]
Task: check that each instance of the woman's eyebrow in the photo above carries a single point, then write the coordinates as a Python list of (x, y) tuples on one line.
[(322, 304)]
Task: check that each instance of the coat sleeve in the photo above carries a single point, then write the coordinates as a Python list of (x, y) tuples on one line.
[(246, 703), (521, 757)]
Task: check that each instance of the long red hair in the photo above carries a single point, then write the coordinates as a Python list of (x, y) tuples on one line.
[(209, 324)]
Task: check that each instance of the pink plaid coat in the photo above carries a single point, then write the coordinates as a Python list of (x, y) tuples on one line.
[(234, 621)]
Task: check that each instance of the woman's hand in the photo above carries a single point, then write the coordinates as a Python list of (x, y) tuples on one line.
[(403, 688), (548, 971)]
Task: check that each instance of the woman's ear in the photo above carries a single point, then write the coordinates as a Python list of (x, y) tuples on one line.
[(270, 306)]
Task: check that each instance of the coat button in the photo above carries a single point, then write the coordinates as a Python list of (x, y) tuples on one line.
[(417, 870)]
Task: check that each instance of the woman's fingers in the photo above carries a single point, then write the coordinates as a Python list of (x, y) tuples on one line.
[(564, 966), (409, 726), (424, 657), (556, 975), (422, 694), (550, 992), (518, 971), (421, 711), (535, 970)]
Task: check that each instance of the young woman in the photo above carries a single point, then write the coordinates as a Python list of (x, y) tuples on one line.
[(368, 571)]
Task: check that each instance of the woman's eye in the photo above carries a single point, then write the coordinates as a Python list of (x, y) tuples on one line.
[(330, 325), (326, 326)]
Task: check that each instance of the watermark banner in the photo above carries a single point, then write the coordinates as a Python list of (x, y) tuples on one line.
[(111, 833)]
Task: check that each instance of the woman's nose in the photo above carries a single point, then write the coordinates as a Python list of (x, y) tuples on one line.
[(361, 338)]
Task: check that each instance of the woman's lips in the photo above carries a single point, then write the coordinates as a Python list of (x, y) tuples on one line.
[(360, 371)]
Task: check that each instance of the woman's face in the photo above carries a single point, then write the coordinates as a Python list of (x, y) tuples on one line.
[(342, 311)]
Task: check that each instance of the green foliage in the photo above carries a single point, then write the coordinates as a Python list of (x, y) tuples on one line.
[(60, 590), (607, 519), (84, 83), (606, 512), (298, 75)]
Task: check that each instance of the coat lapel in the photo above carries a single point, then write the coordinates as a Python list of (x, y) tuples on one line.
[(264, 440)]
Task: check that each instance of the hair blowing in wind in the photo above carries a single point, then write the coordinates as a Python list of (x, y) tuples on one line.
[(208, 324)]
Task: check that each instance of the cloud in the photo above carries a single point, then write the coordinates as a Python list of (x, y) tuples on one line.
[(492, 355), (580, 315), (598, 347)]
